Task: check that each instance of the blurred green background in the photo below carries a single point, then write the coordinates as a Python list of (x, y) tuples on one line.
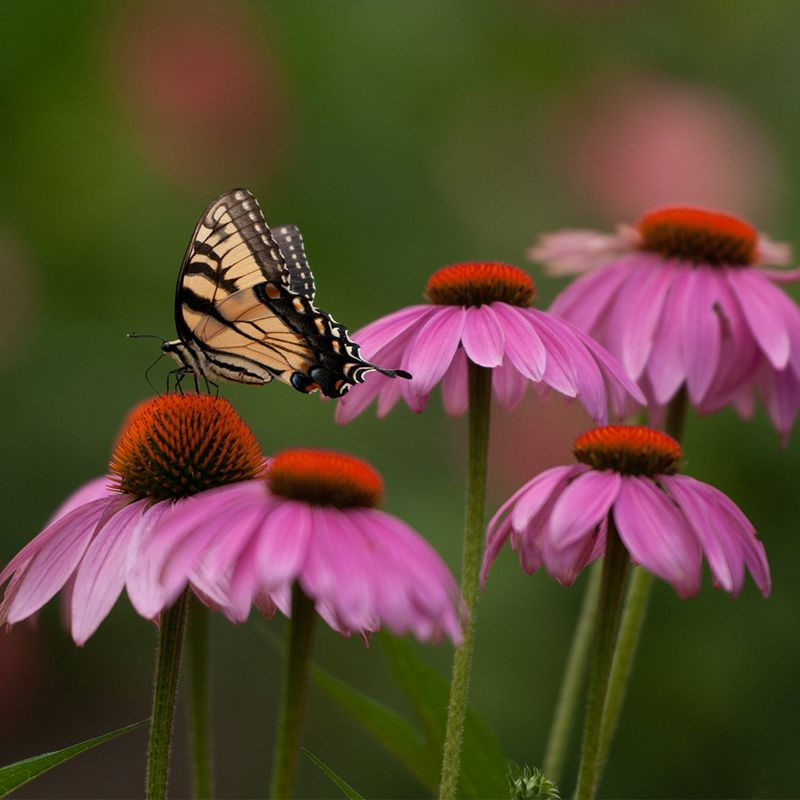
[(400, 136)]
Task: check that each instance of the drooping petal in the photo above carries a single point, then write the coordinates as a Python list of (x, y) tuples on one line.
[(523, 347), (582, 506), (745, 536), (726, 561), (394, 327), (56, 554), (571, 251), (431, 352), (100, 576), (509, 386), (666, 367), (631, 322), (283, 543), (537, 491), (455, 393), (588, 380), (482, 336), (780, 392), (657, 536), (590, 299), (95, 489), (701, 332), (757, 299)]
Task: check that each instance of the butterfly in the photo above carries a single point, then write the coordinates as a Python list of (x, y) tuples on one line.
[(244, 307)]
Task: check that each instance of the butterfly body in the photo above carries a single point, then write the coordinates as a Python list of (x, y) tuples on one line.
[(244, 307)]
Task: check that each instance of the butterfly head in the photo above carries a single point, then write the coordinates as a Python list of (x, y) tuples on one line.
[(178, 351)]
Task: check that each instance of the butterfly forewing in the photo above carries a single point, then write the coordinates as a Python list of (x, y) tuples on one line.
[(244, 306)]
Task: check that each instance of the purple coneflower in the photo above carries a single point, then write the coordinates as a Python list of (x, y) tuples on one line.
[(479, 336), (310, 539), (171, 447), (667, 522), (626, 502), (480, 313), (684, 299), (313, 522)]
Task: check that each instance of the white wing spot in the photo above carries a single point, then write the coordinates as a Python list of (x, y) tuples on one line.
[(239, 196)]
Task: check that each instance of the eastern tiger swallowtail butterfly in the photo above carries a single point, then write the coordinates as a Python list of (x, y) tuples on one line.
[(244, 307)]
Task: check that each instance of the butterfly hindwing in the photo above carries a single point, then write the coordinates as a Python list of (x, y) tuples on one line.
[(245, 310), (290, 243)]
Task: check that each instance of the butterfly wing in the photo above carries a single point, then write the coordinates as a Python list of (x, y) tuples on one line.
[(290, 243), (246, 315)]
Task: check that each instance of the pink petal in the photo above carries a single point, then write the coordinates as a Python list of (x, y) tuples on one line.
[(757, 299), (590, 299), (61, 548), (570, 251), (482, 336), (509, 386), (666, 367), (455, 394), (582, 506), (374, 337), (101, 574), (701, 331), (537, 492), (522, 345), (283, 542), (752, 549), (724, 558), (657, 536), (560, 372), (781, 394), (642, 310), (142, 581), (431, 353), (566, 345), (95, 489)]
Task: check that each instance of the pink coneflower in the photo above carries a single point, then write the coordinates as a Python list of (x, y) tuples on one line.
[(314, 522), (171, 447), (667, 522), (480, 313), (683, 299)]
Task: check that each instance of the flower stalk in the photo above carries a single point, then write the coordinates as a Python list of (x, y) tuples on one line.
[(294, 692), (168, 664), (572, 682), (633, 613), (615, 565), (480, 399), (199, 705)]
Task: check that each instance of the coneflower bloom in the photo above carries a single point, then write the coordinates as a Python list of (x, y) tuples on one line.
[(480, 313), (313, 522), (667, 522), (685, 299), (170, 448)]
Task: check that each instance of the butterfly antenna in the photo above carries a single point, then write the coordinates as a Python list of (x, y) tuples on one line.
[(146, 336)]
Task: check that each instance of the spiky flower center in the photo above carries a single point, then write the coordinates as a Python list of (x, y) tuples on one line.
[(476, 283), (325, 477), (699, 236), (629, 449), (177, 445)]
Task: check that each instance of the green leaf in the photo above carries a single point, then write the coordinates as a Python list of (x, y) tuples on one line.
[(398, 736), (347, 789), (483, 770), (15, 775)]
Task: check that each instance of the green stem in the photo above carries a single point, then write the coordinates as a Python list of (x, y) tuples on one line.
[(294, 691), (634, 611), (168, 665), (199, 704), (615, 565), (480, 403), (571, 683)]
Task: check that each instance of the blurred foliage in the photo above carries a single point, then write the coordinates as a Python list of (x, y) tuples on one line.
[(412, 134)]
